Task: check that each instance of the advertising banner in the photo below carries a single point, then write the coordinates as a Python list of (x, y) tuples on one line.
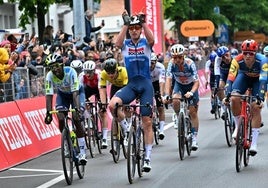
[(154, 19)]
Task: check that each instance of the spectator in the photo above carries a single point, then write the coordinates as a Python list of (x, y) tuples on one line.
[(5, 69), (89, 28), (13, 42), (48, 38)]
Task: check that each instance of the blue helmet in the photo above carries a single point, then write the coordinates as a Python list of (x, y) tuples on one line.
[(222, 50), (265, 50), (234, 52), (212, 56)]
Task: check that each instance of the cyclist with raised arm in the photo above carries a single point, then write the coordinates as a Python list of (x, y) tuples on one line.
[(186, 84), (158, 76), (65, 80), (117, 76), (210, 77), (136, 53), (248, 70), (221, 70)]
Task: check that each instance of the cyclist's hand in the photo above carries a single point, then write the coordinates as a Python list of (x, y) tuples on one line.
[(165, 99), (48, 118), (189, 94), (142, 17), (102, 107), (126, 18)]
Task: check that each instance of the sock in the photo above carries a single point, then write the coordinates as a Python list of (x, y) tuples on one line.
[(148, 151), (162, 123), (236, 120), (255, 134), (82, 144), (124, 125), (104, 133)]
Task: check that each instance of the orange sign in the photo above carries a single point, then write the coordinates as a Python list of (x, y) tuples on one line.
[(200, 28)]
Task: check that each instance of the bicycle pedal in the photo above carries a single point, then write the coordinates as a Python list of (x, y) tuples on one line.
[(113, 152)]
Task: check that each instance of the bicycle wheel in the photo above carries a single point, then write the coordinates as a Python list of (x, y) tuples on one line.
[(239, 145), (131, 155), (115, 141), (188, 140), (247, 144), (181, 135), (140, 150), (91, 140), (98, 133), (216, 107), (228, 126), (124, 148), (67, 156)]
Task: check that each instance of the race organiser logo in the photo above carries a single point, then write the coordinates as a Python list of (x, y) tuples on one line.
[(136, 51)]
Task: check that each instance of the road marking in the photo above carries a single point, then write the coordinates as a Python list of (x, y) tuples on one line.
[(52, 182), (33, 175), (35, 170)]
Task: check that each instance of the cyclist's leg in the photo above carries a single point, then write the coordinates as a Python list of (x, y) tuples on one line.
[(62, 101), (239, 86), (212, 87), (256, 120)]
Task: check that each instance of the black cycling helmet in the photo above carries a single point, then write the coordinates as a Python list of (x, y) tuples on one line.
[(110, 65), (53, 58)]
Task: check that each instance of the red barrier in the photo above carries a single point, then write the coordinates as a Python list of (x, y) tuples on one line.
[(24, 135)]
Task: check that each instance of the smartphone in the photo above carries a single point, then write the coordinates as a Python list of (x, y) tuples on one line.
[(102, 22), (27, 37)]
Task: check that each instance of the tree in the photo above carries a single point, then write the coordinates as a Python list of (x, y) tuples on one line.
[(238, 15)]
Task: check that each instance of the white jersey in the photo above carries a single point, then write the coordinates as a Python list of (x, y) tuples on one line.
[(159, 73), (217, 66)]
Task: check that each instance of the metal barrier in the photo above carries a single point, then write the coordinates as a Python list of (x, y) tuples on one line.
[(23, 85)]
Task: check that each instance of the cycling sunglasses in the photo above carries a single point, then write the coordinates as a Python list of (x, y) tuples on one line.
[(249, 53), (136, 27)]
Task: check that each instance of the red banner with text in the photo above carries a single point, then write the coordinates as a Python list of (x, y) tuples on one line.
[(154, 19)]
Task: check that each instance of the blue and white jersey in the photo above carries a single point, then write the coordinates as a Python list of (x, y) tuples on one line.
[(185, 74), (137, 58), (68, 84), (159, 73)]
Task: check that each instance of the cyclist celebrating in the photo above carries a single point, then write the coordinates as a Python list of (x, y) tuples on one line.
[(209, 74), (221, 70), (137, 53), (158, 76), (248, 70), (186, 83), (65, 80), (117, 76)]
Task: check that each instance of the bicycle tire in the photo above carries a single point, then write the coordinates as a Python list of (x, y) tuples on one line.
[(98, 133), (181, 135), (228, 126), (156, 127), (115, 141), (239, 145), (124, 148), (189, 137), (131, 155), (91, 138), (140, 151), (67, 156), (247, 144)]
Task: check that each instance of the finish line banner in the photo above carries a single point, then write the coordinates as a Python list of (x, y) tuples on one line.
[(154, 19)]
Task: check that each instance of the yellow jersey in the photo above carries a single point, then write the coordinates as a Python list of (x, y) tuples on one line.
[(120, 81)]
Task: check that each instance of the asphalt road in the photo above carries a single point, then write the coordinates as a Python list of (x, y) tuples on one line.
[(212, 165)]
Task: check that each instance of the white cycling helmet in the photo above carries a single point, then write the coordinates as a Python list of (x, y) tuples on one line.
[(76, 64), (153, 57), (177, 49), (265, 51), (89, 65)]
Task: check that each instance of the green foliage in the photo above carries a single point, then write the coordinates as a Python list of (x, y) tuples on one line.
[(238, 15)]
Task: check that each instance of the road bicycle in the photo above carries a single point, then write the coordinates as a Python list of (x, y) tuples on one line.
[(69, 148), (117, 140), (93, 131), (244, 133), (184, 125), (136, 145)]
